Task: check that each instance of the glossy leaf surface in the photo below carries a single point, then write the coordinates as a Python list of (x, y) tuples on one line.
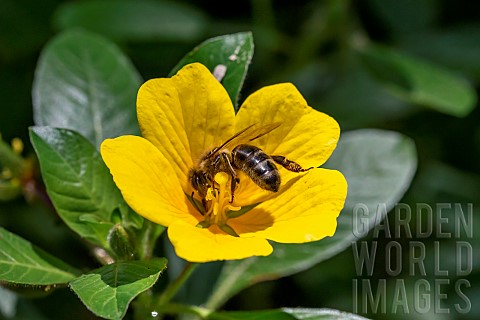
[(78, 182), (84, 82), (228, 57), (379, 166), (23, 263), (108, 291)]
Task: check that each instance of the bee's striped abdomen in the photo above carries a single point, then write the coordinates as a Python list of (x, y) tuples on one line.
[(257, 165)]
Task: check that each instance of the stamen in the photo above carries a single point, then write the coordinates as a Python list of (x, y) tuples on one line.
[(218, 204)]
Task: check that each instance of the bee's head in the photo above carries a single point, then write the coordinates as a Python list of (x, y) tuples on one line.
[(199, 182)]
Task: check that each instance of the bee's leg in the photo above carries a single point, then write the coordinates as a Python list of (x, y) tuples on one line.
[(195, 204), (233, 173), (233, 186), (289, 164)]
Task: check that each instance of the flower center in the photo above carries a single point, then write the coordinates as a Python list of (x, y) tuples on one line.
[(218, 204)]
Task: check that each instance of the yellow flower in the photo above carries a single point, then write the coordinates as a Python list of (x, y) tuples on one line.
[(182, 117)]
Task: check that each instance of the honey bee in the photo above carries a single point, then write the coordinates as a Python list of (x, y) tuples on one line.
[(236, 154)]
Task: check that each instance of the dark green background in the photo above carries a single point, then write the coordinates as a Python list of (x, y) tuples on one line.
[(317, 45)]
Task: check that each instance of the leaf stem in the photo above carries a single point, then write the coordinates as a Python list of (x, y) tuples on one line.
[(174, 286)]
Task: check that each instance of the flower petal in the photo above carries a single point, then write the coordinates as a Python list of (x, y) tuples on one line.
[(306, 211), (185, 115), (305, 135), (203, 245), (146, 180)]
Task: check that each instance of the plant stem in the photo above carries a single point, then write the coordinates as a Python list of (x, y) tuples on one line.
[(176, 308), (229, 278), (174, 286), (147, 238)]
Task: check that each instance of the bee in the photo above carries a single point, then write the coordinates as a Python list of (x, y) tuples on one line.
[(238, 155)]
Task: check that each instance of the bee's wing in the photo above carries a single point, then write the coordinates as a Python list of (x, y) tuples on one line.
[(249, 134)]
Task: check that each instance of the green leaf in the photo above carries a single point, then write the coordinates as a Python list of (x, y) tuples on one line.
[(23, 263), (108, 290), (226, 56), (78, 182), (358, 101), (85, 83), (321, 314), (403, 17), (248, 315), (137, 21), (454, 47), (379, 167), (420, 82), (287, 314)]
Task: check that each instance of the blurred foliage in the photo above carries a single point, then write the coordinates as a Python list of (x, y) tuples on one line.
[(410, 66)]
